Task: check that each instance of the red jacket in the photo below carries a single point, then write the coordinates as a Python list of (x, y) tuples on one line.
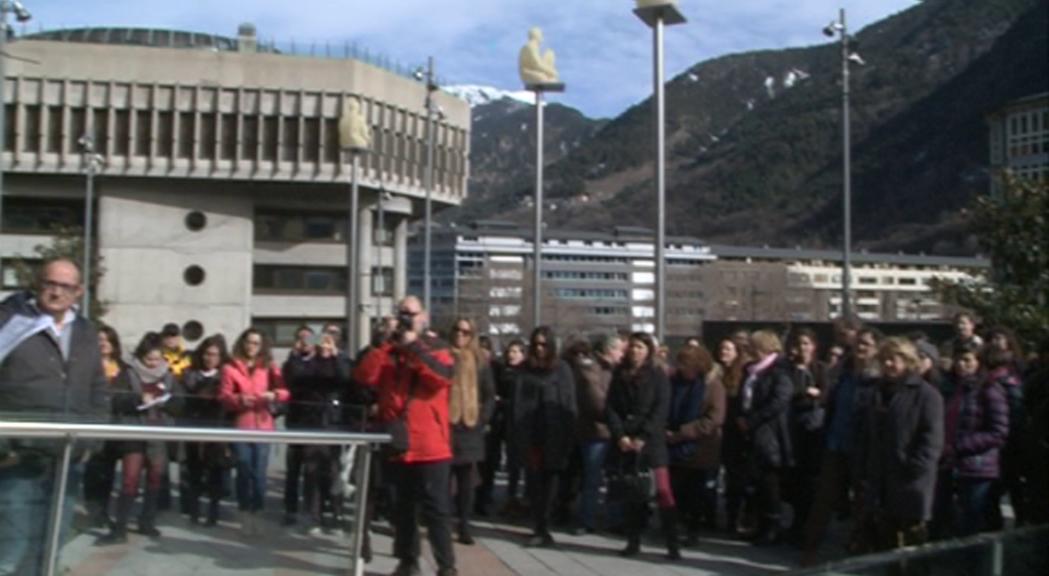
[(426, 366), (238, 384)]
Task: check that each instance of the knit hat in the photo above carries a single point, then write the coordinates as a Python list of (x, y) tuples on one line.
[(927, 349)]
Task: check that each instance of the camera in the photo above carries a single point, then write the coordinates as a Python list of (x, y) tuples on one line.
[(405, 321)]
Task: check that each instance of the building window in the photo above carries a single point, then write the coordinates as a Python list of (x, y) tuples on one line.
[(281, 331), (143, 132), (32, 128), (196, 221), (192, 330), (318, 280), (383, 235), (287, 226), (41, 215), (382, 281), (207, 137), (193, 275)]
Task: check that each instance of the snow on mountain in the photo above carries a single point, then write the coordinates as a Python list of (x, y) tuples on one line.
[(476, 95)]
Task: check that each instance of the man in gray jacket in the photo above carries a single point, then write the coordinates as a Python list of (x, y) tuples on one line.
[(50, 370)]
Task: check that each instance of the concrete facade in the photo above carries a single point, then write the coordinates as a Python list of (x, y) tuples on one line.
[(245, 142)]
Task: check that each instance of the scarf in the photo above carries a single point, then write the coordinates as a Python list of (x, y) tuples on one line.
[(753, 372), (463, 407)]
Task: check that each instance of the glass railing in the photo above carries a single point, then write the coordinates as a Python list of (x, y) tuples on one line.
[(67, 500), (1018, 552)]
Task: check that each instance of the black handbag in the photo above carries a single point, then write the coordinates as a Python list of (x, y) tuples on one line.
[(631, 482)]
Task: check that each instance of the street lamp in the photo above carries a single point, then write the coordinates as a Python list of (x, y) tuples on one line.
[(432, 110), (22, 15), (91, 162), (355, 138), (839, 28), (539, 75), (656, 14)]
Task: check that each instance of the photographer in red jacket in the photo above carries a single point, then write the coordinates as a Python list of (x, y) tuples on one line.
[(412, 374)]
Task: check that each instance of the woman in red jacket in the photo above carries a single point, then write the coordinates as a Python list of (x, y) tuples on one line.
[(252, 389)]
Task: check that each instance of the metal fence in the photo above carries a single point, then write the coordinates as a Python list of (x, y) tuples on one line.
[(68, 434)]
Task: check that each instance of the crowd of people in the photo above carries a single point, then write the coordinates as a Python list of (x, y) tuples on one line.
[(767, 438)]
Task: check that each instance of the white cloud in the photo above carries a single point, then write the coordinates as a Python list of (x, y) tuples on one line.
[(604, 51)]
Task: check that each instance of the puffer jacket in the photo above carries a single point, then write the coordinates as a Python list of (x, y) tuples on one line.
[(240, 383), (982, 429)]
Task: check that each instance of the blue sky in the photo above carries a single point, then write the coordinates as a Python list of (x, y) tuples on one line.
[(603, 50)]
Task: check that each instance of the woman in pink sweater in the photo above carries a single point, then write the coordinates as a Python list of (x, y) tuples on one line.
[(252, 390)]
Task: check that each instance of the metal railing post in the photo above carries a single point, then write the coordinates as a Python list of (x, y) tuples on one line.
[(361, 508), (58, 494)]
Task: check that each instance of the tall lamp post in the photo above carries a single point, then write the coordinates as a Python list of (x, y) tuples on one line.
[(355, 139), (539, 76), (657, 14), (91, 162), (22, 15), (432, 111), (839, 28)]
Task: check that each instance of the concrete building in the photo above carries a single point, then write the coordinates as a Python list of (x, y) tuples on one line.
[(596, 283), (592, 282), (1019, 140), (781, 284), (223, 197)]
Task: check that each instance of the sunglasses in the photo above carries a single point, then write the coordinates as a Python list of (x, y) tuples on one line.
[(463, 331)]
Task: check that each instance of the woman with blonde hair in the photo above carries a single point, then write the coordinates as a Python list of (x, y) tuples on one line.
[(471, 403), (899, 438), (763, 420)]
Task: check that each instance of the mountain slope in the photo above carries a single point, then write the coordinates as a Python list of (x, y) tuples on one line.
[(756, 137)]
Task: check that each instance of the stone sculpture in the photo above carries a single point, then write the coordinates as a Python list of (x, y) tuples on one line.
[(354, 132), (535, 66)]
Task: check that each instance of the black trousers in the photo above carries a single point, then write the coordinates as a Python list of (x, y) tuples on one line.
[(99, 473), (493, 457), (423, 485), (294, 458), (542, 489), (464, 491), (204, 474), (696, 493)]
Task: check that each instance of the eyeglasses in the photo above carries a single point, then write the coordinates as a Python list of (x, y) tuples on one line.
[(59, 286), (253, 342), (539, 344)]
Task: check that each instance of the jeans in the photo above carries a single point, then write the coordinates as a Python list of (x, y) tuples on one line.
[(252, 462), (25, 512), (972, 504), (593, 469)]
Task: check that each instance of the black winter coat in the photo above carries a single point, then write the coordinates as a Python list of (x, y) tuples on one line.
[(319, 390), (544, 415), (637, 407), (901, 439), (768, 419), (468, 442)]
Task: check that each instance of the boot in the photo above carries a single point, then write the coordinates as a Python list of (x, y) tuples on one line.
[(118, 531), (464, 534), (632, 524), (668, 520), (147, 521)]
